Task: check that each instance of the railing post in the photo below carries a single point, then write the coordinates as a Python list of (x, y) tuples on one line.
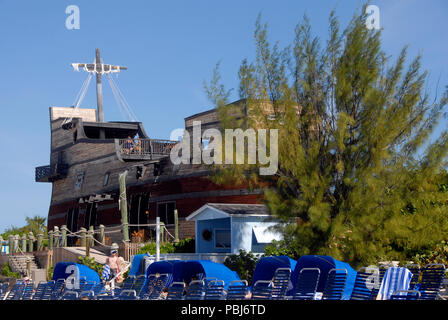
[(124, 206), (56, 237), (102, 235), (10, 243), (40, 238), (88, 241), (24, 243), (1, 244), (157, 238), (83, 236), (64, 235), (50, 239), (162, 232), (16, 243), (91, 236), (31, 242), (176, 226)]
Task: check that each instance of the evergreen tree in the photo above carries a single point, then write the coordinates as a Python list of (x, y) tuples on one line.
[(359, 168)]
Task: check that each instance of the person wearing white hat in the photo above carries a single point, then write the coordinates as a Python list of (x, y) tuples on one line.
[(113, 261)]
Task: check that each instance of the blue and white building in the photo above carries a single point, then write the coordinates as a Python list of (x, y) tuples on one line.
[(227, 228)]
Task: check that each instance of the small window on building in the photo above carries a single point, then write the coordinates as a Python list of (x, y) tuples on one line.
[(222, 238), (165, 211), (106, 179)]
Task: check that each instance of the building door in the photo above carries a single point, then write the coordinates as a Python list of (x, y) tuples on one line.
[(72, 224), (165, 210), (138, 213), (90, 215)]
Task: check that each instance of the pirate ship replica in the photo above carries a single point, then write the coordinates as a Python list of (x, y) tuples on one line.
[(88, 154)]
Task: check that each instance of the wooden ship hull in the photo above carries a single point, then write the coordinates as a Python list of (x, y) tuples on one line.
[(87, 157)]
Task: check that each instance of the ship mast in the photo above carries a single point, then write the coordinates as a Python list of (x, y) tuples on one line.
[(99, 68)]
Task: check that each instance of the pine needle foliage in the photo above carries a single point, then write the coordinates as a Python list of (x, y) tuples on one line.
[(359, 170)]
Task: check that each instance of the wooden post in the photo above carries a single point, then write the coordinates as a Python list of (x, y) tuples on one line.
[(162, 232), (56, 236), (176, 226), (123, 206), (11, 243), (24, 243), (50, 240), (91, 236), (28, 267), (16, 243), (88, 244), (1, 244), (64, 235), (102, 234), (83, 236), (40, 238), (31, 242), (157, 238)]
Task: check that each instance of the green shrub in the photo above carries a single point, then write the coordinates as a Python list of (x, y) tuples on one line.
[(437, 254), (243, 263), (91, 263), (150, 248), (187, 245), (6, 271)]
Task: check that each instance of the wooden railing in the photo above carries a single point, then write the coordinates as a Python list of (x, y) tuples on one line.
[(144, 147)]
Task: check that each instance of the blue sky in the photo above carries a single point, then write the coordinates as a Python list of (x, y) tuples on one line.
[(170, 47)]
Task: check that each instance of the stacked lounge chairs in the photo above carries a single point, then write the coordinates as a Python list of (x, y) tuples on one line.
[(419, 284)]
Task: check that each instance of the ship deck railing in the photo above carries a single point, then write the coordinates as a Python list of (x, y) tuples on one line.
[(143, 149)]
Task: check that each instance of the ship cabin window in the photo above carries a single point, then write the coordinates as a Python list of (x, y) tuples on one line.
[(106, 179), (165, 210)]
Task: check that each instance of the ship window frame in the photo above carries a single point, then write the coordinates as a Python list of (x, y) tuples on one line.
[(106, 179)]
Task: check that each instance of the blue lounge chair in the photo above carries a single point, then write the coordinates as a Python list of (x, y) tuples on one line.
[(432, 280), (395, 279), (237, 290), (156, 285), (28, 291), (16, 291), (195, 290), (98, 289), (376, 289), (176, 291), (307, 282), (58, 289), (106, 297), (128, 295), (139, 284), (335, 284), (3, 290), (40, 290), (262, 290), (70, 295), (281, 283), (89, 294), (415, 269), (128, 283), (215, 290), (364, 288), (405, 295)]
